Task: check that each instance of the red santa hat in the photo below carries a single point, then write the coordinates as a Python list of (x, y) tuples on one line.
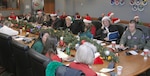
[(87, 20), (53, 14), (115, 20), (110, 14), (39, 12), (136, 16)]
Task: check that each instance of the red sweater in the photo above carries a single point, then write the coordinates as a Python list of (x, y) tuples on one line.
[(13, 17), (83, 67), (93, 30), (54, 57)]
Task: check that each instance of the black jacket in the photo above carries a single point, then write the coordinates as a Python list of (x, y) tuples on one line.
[(100, 34)]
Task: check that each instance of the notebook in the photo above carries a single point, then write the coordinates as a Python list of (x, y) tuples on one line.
[(113, 35)]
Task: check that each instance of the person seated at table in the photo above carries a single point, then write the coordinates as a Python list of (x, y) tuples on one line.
[(71, 26), (29, 18), (40, 42), (50, 49), (89, 28), (77, 16), (137, 19), (87, 16), (63, 16), (6, 30), (39, 18), (107, 28), (102, 15), (132, 37), (113, 19), (84, 58), (1, 17), (56, 23), (147, 46), (13, 17)]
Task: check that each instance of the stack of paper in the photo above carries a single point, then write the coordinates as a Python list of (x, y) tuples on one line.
[(105, 70), (133, 52), (62, 54)]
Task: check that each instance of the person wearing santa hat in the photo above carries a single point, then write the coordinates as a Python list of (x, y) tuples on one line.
[(113, 19), (29, 17), (102, 15), (89, 28), (40, 17), (77, 16), (13, 17), (106, 28), (72, 26), (137, 19), (55, 22)]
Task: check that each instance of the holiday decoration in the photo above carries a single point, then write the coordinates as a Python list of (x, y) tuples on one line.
[(134, 7), (122, 2), (144, 2), (38, 4), (73, 42), (137, 2), (132, 2), (138, 5), (112, 2), (141, 7), (117, 2), (107, 52)]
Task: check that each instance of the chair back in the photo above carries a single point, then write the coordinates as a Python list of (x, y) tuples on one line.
[(6, 53), (23, 65), (39, 63), (68, 71)]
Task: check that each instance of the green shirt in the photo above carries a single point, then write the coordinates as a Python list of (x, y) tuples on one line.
[(38, 46), (130, 40)]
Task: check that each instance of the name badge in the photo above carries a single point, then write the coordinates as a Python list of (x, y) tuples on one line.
[(129, 37), (135, 38)]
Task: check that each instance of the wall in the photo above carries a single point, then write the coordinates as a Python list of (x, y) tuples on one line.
[(96, 7), (23, 8), (60, 6)]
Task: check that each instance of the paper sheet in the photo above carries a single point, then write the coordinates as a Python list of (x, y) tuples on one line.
[(110, 46), (62, 54), (133, 52), (105, 70), (100, 74)]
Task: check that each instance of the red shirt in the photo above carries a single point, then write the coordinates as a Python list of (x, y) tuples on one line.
[(54, 57), (93, 30), (13, 17), (83, 67)]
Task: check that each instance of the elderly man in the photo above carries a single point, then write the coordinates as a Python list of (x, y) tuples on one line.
[(132, 37)]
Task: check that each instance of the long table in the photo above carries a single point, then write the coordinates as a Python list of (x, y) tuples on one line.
[(132, 65)]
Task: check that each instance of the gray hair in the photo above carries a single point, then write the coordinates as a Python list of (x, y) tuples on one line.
[(85, 53)]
